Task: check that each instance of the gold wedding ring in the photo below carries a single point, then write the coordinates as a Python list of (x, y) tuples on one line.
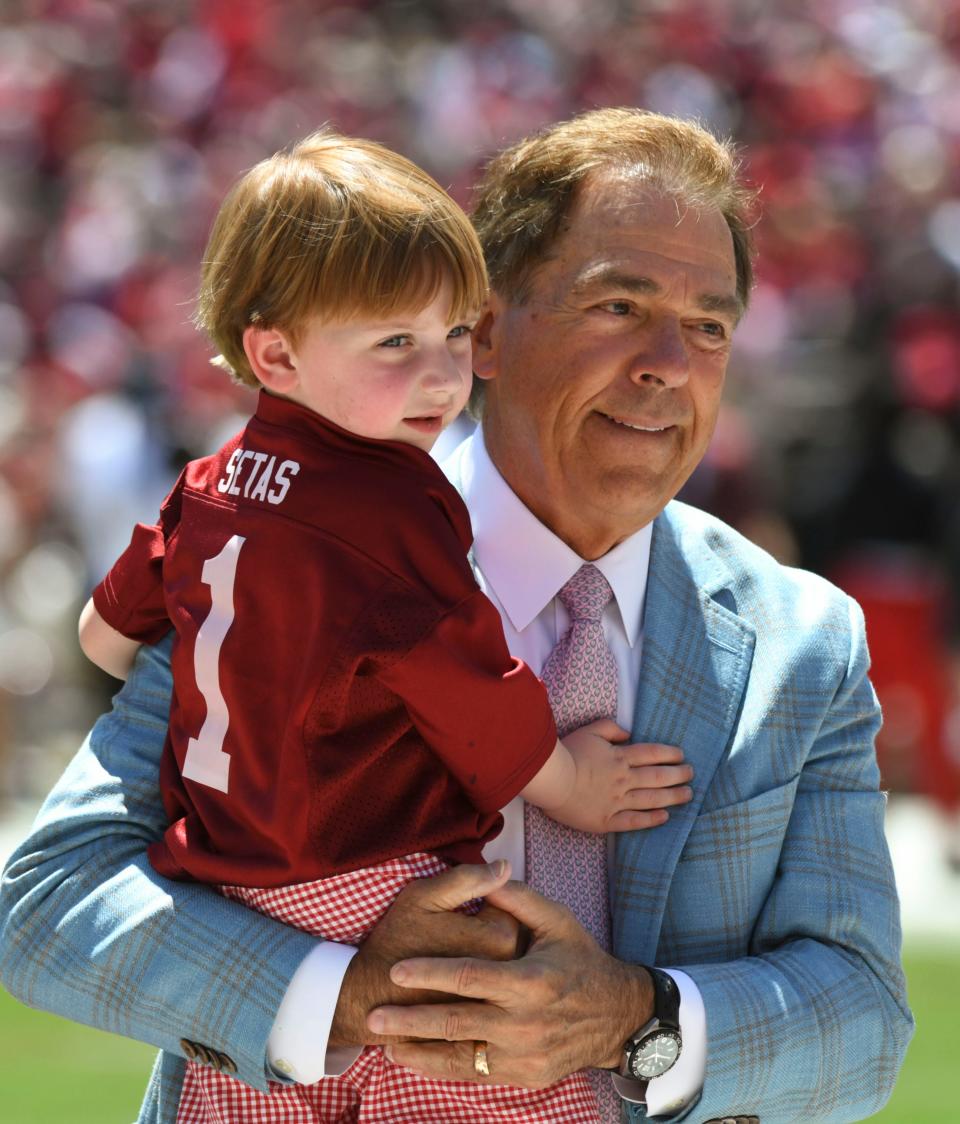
[(480, 1064)]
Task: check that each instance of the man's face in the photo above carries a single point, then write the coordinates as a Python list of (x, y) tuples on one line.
[(605, 384)]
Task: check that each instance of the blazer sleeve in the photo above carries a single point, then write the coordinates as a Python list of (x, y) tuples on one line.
[(89, 931), (814, 1024)]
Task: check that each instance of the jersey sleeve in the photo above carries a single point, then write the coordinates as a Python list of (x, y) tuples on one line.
[(483, 712), (131, 598)]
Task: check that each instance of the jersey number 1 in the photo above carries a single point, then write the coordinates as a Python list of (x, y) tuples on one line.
[(205, 761)]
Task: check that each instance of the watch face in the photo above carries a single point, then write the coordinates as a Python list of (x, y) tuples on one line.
[(655, 1055)]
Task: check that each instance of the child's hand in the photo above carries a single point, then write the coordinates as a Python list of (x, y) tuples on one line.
[(621, 787)]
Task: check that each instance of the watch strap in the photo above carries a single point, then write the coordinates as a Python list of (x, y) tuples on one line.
[(630, 1089), (666, 999), (666, 1017)]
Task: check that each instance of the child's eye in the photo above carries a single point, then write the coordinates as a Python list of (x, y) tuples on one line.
[(394, 341), (459, 331)]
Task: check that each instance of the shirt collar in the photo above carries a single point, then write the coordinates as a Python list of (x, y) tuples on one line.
[(506, 531)]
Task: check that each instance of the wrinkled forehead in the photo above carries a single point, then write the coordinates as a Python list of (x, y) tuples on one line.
[(626, 196), (620, 222)]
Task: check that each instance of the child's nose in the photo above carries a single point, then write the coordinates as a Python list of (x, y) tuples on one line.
[(443, 374)]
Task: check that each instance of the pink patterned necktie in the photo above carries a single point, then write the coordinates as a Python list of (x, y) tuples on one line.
[(566, 865)]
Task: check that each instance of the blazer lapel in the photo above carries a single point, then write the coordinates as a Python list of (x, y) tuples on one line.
[(696, 660)]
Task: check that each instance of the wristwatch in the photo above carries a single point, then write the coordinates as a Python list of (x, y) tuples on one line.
[(655, 1047)]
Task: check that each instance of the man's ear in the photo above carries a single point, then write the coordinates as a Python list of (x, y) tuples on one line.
[(272, 358), (486, 337)]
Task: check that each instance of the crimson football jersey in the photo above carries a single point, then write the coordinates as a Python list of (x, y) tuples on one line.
[(343, 693)]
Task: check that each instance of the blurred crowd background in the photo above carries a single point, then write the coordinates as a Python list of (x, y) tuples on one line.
[(122, 123)]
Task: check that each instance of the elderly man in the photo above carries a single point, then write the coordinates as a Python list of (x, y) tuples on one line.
[(748, 967)]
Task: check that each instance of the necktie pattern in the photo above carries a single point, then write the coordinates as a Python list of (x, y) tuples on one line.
[(566, 865)]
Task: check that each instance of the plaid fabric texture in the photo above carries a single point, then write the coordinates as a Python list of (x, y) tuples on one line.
[(372, 1090)]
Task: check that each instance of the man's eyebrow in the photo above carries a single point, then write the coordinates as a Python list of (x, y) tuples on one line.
[(725, 303), (613, 279), (721, 302)]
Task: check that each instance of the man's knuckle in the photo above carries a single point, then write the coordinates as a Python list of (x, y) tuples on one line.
[(451, 1065), (529, 974), (498, 933), (542, 988), (465, 977), (452, 1029), (540, 1067), (566, 913)]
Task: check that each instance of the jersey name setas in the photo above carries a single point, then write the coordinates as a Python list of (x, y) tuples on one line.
[(265, 480)]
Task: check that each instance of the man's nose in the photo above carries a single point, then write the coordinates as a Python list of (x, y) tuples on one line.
[(662, 357)]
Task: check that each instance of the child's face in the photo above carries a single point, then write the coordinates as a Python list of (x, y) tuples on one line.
[(403, 377)]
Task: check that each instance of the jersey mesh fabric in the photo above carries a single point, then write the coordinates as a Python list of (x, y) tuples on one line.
[(372, 1090), (334, 659)]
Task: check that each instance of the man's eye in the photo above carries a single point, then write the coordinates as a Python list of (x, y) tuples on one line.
[(618, 308), (711, 328)]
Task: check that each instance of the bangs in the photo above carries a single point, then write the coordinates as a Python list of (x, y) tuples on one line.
[(397, 271), (372, 256)]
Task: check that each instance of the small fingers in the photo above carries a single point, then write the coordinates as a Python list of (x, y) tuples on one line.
[(646, 807), (648, 799), (660, 776), (631, 820), (653, 753)]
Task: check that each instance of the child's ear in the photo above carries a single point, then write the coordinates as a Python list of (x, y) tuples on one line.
[(486, 336), (272, 358)]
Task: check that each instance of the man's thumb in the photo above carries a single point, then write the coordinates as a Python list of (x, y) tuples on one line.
[(460, 884), (539, 914)]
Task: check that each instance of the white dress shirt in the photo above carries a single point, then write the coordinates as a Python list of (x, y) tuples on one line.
[(534, 620)]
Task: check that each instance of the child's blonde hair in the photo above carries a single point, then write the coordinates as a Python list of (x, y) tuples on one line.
[(336, 226)]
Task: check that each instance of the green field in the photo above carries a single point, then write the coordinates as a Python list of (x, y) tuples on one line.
[(54, 1071)]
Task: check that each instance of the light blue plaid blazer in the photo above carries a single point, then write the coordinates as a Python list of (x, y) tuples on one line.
[(773, 889)]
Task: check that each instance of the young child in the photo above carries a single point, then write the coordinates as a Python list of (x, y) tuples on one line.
[(345, 715)]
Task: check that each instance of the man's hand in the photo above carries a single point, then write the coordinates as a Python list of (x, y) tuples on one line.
[(566, 1004), (422, 920)]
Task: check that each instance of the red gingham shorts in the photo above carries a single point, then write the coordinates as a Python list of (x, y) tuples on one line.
[(345, 908)]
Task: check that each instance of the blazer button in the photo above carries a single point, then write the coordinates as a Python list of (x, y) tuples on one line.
[(203, 1054), (227, 1064), (189, 1049)]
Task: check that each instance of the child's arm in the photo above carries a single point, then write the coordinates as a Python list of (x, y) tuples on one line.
[(592, 783), (103, 645)]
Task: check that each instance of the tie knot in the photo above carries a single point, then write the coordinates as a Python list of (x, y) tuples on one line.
[(586, 594)]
